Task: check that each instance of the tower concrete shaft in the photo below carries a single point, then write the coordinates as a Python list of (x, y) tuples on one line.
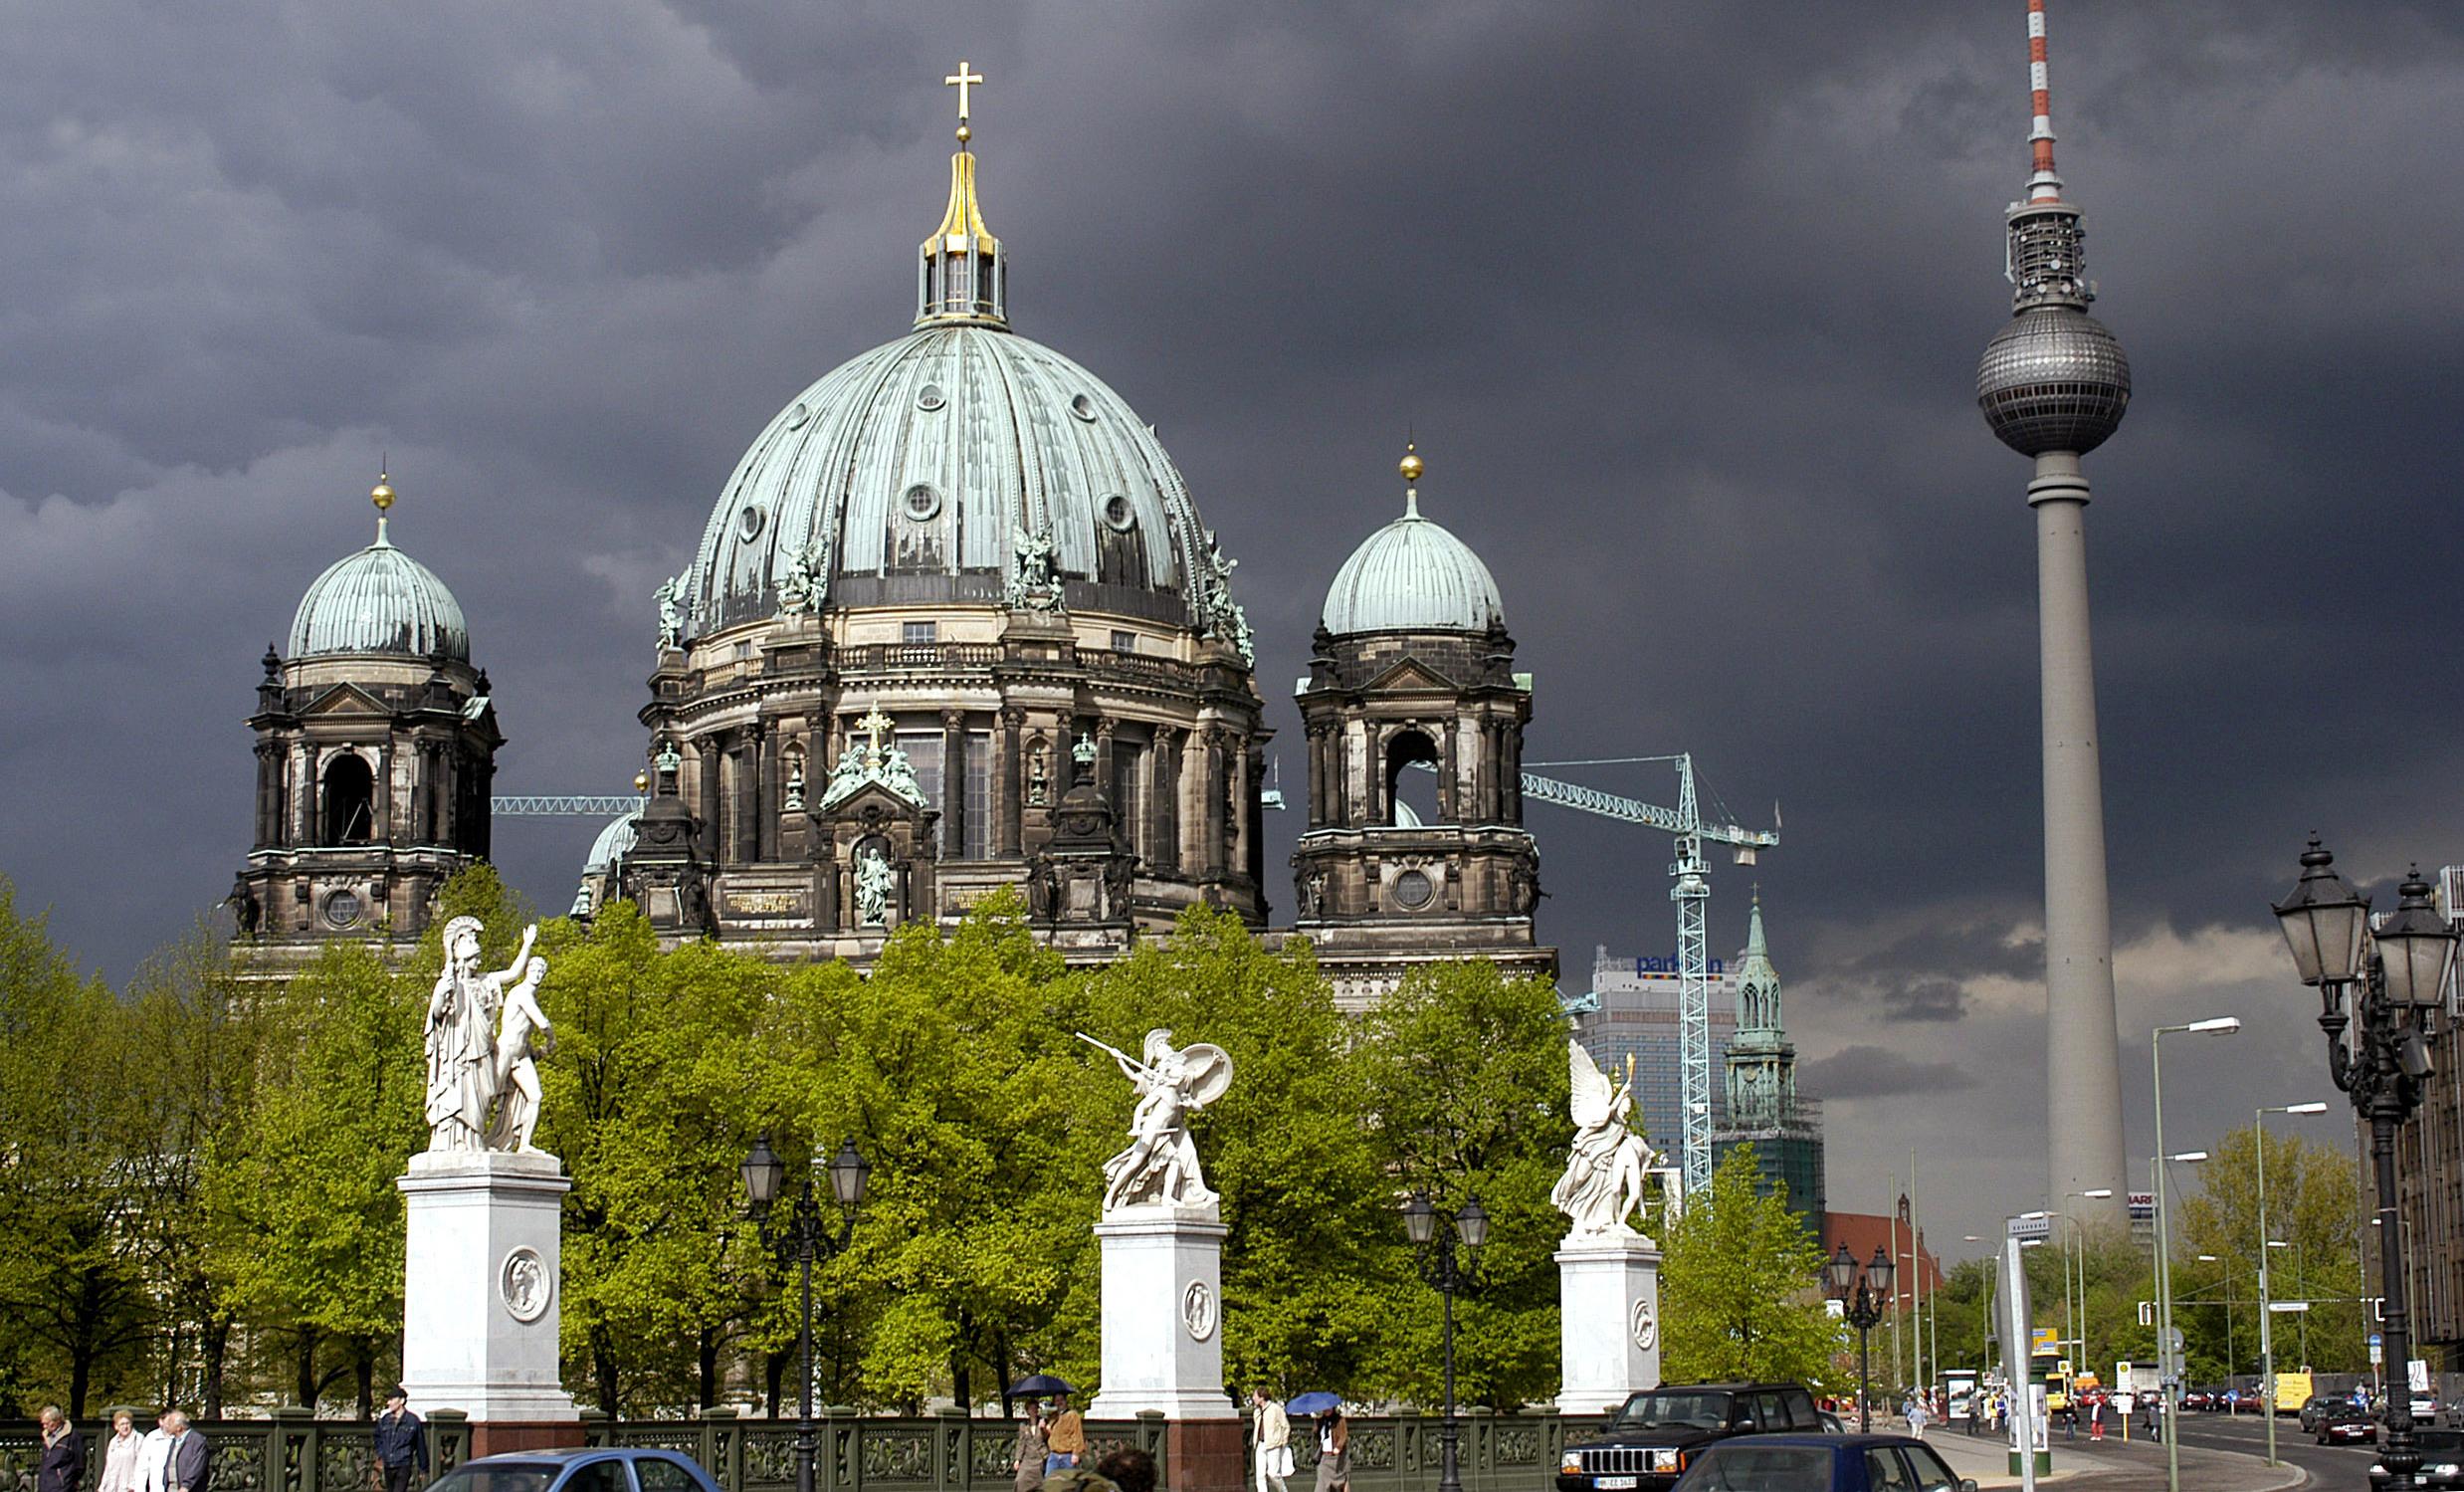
[(2083, 1060), (2054, 384)]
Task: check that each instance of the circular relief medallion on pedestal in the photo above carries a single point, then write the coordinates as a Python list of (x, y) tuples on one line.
[(1646, 1330), (1197, 1310), (526, 1284)]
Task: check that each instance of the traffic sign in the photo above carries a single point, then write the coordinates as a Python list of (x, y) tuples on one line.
[(2282, 1307), (2173, 1337)]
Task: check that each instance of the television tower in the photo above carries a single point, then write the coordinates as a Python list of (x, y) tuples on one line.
[(2053, 384)]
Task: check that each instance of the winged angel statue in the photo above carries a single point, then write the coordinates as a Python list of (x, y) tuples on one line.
[(1160, 1163), (1603, 1181)]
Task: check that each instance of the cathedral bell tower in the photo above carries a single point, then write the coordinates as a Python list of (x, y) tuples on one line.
[(1415, 849), (376, 746)]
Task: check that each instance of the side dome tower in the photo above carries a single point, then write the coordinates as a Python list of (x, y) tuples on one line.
[(376, 746), (938, 573), (1412, 699)]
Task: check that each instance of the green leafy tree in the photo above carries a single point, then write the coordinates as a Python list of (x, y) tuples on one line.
[(1741, 1286), (1463, 1084), (2314, 1207), (75, 1311)]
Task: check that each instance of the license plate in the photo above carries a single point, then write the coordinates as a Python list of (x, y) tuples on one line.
[(1615, 1483)]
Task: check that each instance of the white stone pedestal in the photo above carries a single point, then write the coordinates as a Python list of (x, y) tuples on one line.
[(1162, 1314), (1609, 1299), (483, 1266)]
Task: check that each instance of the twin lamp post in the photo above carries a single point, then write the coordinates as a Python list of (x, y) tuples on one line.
[(1864, 1296), (804, 1234)]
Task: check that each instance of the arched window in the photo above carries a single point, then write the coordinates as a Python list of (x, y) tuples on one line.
[(349, 803), (1410, 790)]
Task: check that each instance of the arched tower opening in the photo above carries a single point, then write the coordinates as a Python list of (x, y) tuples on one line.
[(1413, 797), (348, 810)]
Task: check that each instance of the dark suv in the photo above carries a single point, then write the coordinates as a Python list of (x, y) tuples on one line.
[(1657, 1432)]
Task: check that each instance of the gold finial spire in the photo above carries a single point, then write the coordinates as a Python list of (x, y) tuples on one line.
[(963, 271), (382, 496), (962, 79), (1411, 468)]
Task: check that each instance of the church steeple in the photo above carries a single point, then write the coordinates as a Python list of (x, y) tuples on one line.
[(962, 275), (1762, 1065)]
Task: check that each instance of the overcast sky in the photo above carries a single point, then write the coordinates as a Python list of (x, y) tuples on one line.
[(1682, 302)]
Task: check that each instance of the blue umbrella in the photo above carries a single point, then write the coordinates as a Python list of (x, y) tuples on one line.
[(1313, 1403), (1038, 1385)]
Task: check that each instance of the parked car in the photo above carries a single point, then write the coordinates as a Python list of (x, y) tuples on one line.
[(1822, 1463), (1657, 1433), (597, 1471), (2347, 1424), (2442, 1461)]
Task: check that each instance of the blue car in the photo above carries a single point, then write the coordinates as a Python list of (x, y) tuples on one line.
[(1821, 1463), (597, 1471)]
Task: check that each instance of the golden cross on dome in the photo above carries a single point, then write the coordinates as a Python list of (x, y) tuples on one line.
[(962, 79), (873, 725)]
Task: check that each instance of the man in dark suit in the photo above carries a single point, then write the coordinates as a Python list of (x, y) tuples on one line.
[(190, 1466), (61, 1466)]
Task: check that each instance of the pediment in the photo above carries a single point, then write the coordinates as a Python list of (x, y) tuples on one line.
[(1410, 676), (345, 700), (871, 798)]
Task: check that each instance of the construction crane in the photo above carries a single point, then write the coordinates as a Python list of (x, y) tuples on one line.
[(1690, 889), (547, 807)]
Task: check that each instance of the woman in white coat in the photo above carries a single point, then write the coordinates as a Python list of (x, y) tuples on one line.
[(120, 1455)]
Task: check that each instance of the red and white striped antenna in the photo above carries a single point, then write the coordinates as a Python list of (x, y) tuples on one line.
[(2044, 185)]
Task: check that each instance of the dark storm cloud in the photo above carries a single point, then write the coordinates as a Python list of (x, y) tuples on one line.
[(1682, 300), (1879, 1072)]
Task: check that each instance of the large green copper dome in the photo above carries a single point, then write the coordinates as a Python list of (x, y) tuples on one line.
[(913, 471)]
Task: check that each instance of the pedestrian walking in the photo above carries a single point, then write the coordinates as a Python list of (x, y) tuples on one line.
[(188, 1466), (1065, 1440), (152, 1454), (1031, 1449), (60, 1466), (1975, 1413), (2001, 1413), (401, 1444), (1274, 1442), (1916, 1417), (1333, 1453), (120, 1455)]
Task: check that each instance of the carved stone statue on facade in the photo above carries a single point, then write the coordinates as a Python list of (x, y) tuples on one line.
[(873, 882), (1033, 578), (1160, 1163), (808, 581), (463, 1071), (1218, 614), (1603, 1181), (670, 595)]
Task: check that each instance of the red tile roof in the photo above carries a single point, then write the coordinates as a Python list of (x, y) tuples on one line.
[(1865, 1232)]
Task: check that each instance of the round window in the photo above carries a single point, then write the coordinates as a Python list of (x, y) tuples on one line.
[(1083, 407), (922, 503), (1413, 890), (1118, 516), (343, 908), (929, 398), (799, 415), (748, 522)]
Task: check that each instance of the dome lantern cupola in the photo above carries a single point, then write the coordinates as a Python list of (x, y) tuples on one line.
[(379, 600), (961, 274)]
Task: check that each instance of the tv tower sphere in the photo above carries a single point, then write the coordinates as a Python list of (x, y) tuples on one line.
[(2053, 379)]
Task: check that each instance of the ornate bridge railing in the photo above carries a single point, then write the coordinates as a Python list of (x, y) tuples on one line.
[(946, 1453), (1401, 1452), (290, 1451)]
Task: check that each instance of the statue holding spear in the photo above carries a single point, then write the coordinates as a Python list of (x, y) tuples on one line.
[(1160, 1163)]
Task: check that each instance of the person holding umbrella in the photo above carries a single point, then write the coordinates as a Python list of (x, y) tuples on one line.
[(1333, 1439), (1035, 1449)]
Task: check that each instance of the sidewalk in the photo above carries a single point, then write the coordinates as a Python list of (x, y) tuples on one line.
[(2082, 1465)]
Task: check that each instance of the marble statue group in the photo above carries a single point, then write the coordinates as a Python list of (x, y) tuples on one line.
[(483, 1032), (1603, 1181), (1161, 1163)]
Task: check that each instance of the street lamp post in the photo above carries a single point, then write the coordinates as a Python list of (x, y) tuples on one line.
[(803, 1236), (1861, 1295), (1440, 1266), (2396, 992), (2078, 1236), (2267, 1325), (2169, 1388)]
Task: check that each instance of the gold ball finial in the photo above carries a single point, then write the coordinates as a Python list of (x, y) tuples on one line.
[(965, 134), (1412, 465), (641, 781), (381, 494)]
